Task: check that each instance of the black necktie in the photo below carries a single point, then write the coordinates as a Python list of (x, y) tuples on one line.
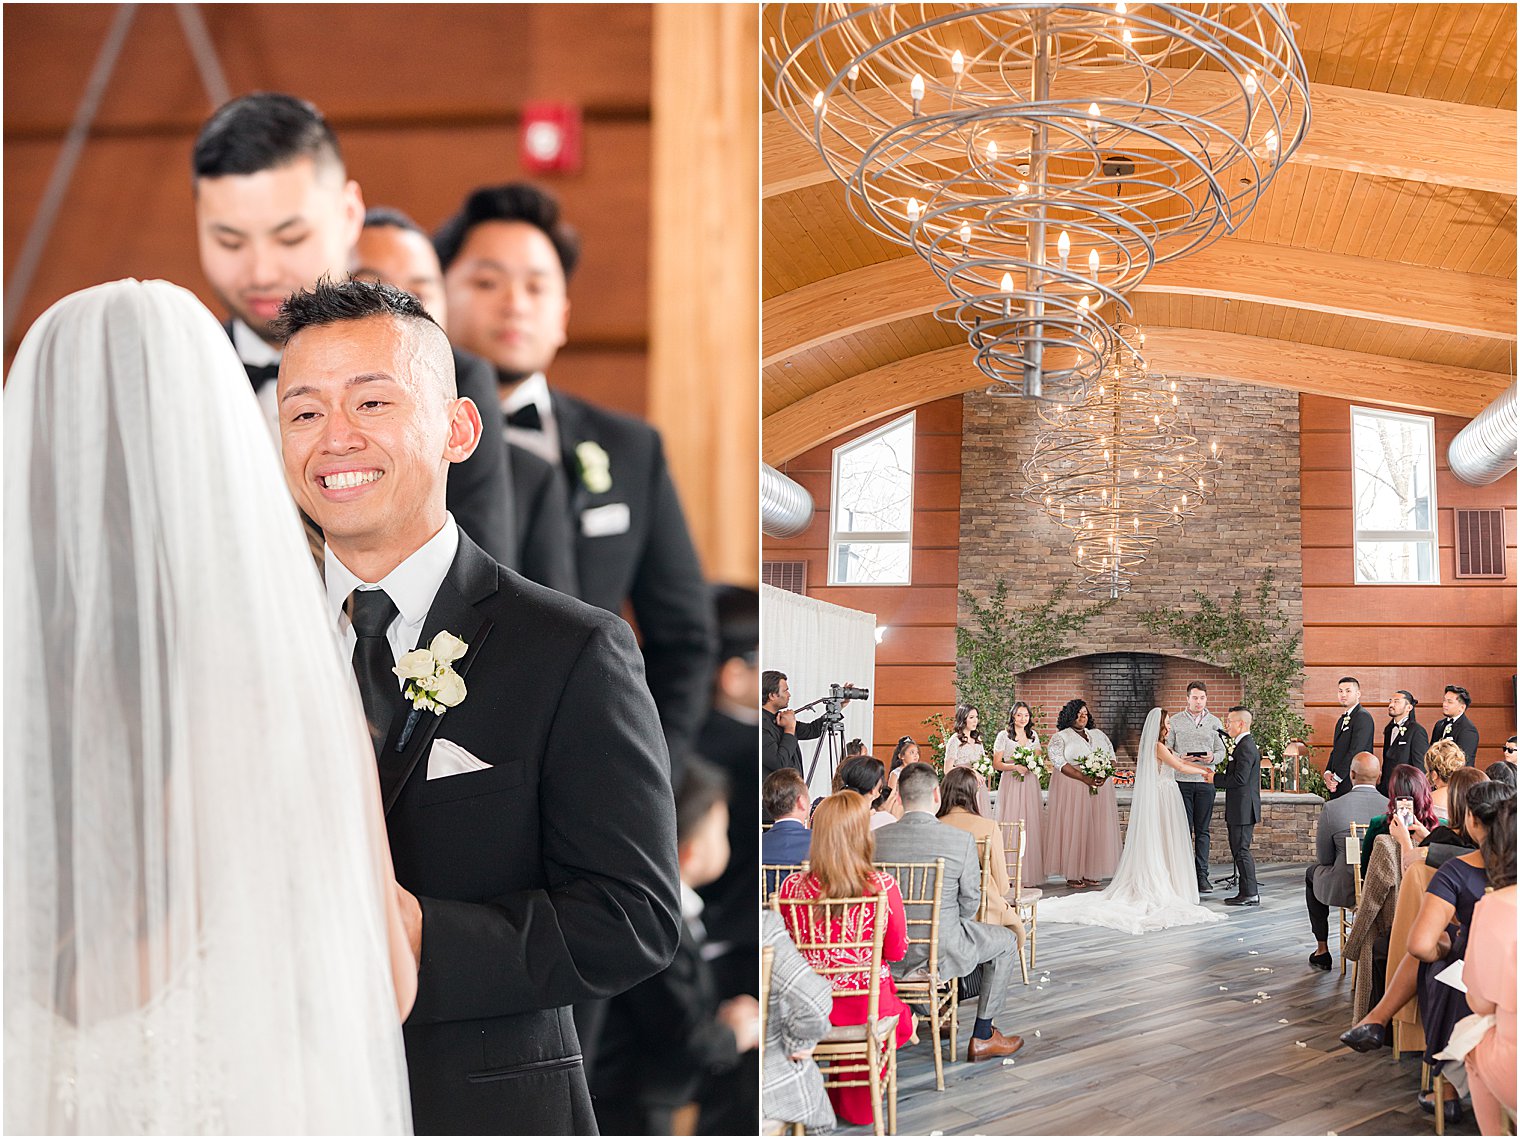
[(372, 611), (261, 374), (526, 418)]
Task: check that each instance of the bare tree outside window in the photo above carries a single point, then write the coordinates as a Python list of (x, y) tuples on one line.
[(871, 521), (1394, 509)]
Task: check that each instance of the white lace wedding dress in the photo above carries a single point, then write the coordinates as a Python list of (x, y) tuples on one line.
[(1156, 884)]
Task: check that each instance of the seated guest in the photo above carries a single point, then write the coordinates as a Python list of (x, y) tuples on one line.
[(964, 942), (1442, 760), (854, 747), (785, 797), (866, 775), (904, 753), (957, 808), (1405, 782), (1370, 1033), (1503, 770), (841, 868), (1490, 978), (663, 1038), (1455, 726), (796, 1019), (1328, 882), (1448, 840), (1404, 738)]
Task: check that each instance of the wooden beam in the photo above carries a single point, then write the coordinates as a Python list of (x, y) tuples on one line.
[(1333, 372), (1341, 285), (1369, 132)]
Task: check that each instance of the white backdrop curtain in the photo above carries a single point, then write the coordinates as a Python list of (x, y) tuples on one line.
[(817, 644)]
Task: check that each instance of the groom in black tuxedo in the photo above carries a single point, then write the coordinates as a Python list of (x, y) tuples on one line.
[(1242, 803), (530, 815)]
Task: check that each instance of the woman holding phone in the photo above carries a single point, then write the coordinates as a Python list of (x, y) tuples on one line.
[(1409, 800)]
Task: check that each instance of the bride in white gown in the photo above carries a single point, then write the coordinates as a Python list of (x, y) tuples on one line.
[(1156, 885)]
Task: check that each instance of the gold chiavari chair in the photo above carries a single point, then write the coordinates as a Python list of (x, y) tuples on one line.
[(919, 884), (860, 1055), (1354, 861), (1026, 899), (772, 874)]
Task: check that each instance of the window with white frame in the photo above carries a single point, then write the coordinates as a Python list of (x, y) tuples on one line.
[(871, 516), (1393, 462)]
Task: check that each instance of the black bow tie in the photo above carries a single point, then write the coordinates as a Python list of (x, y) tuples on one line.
[(261, 374), (526, 418)]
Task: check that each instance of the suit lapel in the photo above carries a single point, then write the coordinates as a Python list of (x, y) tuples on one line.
[(571, 425), (470, 580)]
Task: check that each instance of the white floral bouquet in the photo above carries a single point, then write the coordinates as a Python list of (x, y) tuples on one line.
[(983, 767), (1031, 758), (1097, 764)]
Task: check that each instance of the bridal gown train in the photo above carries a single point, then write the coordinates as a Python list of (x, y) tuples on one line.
[(1156, 885)]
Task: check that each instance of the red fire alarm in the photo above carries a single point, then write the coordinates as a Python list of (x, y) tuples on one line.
[(551, 138)]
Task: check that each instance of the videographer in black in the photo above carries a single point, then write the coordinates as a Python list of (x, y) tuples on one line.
[(779, 729)]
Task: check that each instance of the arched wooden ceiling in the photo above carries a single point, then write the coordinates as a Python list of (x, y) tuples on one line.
[(1379, 265)]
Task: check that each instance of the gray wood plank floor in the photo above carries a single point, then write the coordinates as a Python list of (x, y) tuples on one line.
[(1165, 1034)]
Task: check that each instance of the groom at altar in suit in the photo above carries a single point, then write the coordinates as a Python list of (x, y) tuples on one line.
[(522, 708), (1353, 735), (1241, 783)]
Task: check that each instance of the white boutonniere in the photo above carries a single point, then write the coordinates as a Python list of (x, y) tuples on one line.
[(596, 467), (1345, 721), (1400, 733), (432, 685)]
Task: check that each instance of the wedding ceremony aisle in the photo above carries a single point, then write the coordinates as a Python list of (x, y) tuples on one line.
[(1179, 1032)]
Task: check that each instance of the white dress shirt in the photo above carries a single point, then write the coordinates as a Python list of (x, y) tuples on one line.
[(412, 586), (252, 349), (545, 444)]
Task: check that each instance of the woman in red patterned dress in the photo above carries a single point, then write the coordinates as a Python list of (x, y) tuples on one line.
[(840, 867)]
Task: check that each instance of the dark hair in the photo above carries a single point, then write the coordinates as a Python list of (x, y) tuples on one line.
[(387, 217), (738, 615), (962, 732), (958, 789), (1501, 771), (1494, 805), (897, 752), (1198, 684), (867, 775), (327, 303), (515, 201), (703, 787), (1409, 696), (262, 131), (1012, 728), (1068, 716), (1409, 782), (1349, 680), (770, 683), (916, 781), (1458, 788), (1461, 693), (1241, 708), (854, 747), (778, 794)]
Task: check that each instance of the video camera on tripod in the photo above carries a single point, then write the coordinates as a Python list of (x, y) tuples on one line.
[(833, 723)]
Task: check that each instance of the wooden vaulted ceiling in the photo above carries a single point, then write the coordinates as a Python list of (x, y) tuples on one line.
[(1379, 265)]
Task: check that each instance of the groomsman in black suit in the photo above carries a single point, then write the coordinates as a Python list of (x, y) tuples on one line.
[(394, 250), (528, 807), (507, 258), (1353, 735), (1404, 738), (1241, 783), (1455, 725), (275, 212)]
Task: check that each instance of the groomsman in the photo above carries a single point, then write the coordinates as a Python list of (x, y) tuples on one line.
[(275, 211), (507, 258), (1456, 726), (1404, 738), (395, 251), (1198, 734), (1353, 735)]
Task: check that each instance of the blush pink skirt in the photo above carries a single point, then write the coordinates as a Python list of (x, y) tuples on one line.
[(1081, 830), (1020, 799)]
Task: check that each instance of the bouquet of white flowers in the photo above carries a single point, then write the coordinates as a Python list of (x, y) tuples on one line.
[(983, 767), (1031, 758), (1097, 764)]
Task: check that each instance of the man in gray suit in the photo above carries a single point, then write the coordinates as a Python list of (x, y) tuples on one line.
[(1328, 882), (964, 942)]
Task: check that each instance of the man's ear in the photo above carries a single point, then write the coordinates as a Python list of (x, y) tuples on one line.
[(465, 429)]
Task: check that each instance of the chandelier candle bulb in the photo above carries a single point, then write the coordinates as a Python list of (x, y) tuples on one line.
[(913, 210), (958, 63), (916, 89), (965, 235), (1092, 265), (1063, 248), (1092, 125)]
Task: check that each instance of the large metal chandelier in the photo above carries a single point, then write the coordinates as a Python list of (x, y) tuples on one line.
[(1043, 157), (1119, 467)]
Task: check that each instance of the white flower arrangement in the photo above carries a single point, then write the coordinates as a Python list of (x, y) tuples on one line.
[(1097, 764), (1027, 757), (596, 467), (983, 767), (431, 683)]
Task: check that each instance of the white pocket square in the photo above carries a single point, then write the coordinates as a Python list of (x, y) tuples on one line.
[(605, 521), (448, 758)]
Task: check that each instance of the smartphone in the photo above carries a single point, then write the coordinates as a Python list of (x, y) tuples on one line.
[(1404, 809)]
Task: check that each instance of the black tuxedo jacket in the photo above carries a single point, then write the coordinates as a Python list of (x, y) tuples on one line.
[(1461, 731), (546, 542), (547, 879), (731, 914), (1351, 740), (779, 749), (651, 563), (1408, 747), (1241, 783)]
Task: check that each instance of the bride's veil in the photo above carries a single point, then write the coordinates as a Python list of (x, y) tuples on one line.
[(194, 852)]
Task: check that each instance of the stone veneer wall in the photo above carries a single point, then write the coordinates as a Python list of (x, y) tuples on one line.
[(1249, 525), (1285, 833)]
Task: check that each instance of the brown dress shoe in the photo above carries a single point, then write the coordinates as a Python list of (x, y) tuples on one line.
[(993, 1047)]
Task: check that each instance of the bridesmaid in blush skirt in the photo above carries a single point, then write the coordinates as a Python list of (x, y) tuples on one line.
[(1019, 791), (1081, 828), (963, 748)]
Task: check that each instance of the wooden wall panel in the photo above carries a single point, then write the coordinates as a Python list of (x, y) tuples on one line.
[(1416, 637), (915, 662)]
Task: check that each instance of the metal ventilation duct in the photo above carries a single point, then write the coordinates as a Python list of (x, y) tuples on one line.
[(1484, 451), (786, 509)]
